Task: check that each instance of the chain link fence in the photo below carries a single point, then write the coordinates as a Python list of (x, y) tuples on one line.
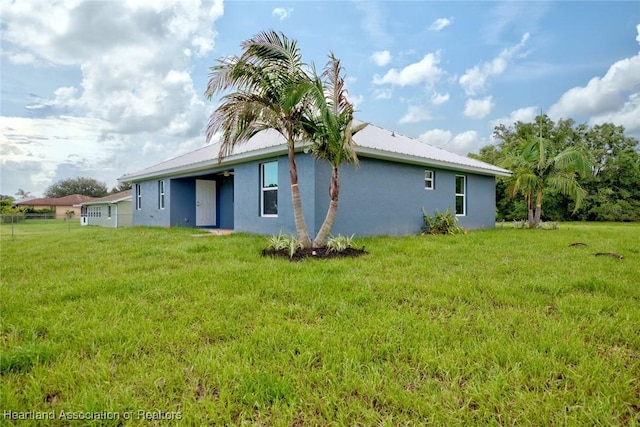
[(30, 223)]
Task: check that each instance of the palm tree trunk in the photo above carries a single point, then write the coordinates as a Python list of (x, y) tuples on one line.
[(298, 215), (538, 213), (327, 225), (530, 217)]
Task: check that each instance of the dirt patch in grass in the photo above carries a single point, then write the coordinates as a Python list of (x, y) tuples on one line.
[(318, 253)]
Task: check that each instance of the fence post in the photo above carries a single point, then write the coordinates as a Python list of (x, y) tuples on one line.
[(12, 226), (69, 214)]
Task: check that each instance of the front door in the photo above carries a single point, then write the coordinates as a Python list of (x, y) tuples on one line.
[(205, 203)]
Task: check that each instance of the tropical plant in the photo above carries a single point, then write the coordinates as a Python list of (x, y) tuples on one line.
[(549, 225), (22, 193), (278, 241), (330, 129), (613, 186), (440, 222), (284, 242), (536, 166), (519, 223), (268, 91), (339, 243)]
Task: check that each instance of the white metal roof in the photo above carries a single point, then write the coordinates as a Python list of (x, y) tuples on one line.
[(111, 198), (372, 141)]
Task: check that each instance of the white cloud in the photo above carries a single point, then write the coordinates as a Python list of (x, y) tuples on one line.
[(613, 98), (465, 142), (436, 137), (128, 78), (381, 58), (474, 80), (48, 142), (415, 113), (37, 152), (525, 115), (628, 116), (282, 13), (601, 95), (21, 58), (439, 99), (136, 84), (462, 143), (440, 23), (478, 108), (382, 93), (424, 71)]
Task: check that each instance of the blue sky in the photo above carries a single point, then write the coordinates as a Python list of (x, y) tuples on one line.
[(101, 88)]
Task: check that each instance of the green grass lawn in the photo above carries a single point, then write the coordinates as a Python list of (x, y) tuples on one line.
[(497, 327)]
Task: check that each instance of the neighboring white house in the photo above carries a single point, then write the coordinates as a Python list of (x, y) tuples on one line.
[(112, 211)]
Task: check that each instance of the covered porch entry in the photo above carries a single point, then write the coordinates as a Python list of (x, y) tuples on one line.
[(205, 201)]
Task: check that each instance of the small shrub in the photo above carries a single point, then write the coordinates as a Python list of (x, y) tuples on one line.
[(278, 242), (294, 245), (549, 225), (339, 243), (520, 224), (440, 223), (285, 242)]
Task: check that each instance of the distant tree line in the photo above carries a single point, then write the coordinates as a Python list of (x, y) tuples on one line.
[(609, 191), (85, 186)]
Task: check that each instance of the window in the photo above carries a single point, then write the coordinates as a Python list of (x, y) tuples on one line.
[(109, 211), (94, 211), (461, 188), (161, 194), (269, 189), (138, 197), (429, 179)]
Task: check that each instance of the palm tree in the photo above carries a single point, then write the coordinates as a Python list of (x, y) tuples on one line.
[(330, 129), (23, 194), (535, 167), (270, 90)]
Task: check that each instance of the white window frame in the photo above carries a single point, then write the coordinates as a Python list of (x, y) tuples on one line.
[(463, 195), (429, 179), (138, 197), (161, 193), (109, 211), (94, 212), (264, 189)]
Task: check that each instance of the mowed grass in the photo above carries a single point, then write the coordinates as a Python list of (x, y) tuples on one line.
[(495, 327)]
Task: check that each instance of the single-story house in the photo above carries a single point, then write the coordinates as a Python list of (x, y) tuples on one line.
[(249, 190), (112, 211), (59, 205)]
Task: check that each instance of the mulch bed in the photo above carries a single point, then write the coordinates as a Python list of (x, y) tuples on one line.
[(318, 253)]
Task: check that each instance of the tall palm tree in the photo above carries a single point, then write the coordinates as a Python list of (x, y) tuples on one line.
[(535, 167), (269, 91), (330, 129), (23, 194)]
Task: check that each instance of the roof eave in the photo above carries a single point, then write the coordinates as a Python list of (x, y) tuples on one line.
[(231, 160), (407, 158), (105, 202)]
